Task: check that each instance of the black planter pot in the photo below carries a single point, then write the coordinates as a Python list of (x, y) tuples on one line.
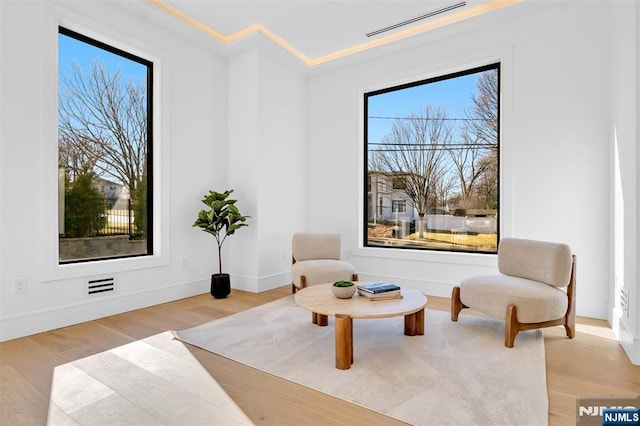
[(220, 285)]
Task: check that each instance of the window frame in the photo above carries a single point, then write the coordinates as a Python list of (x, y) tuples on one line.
[(458, 71), (398, 206), (150, 148)]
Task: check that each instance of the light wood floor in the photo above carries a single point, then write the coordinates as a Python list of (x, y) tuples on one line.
[(592, 364)]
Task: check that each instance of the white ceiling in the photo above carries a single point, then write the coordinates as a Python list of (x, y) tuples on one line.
[(317, 28)]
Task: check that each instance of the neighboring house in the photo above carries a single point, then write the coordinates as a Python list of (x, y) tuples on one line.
[(392, 204), (114, 191), (111, 190)]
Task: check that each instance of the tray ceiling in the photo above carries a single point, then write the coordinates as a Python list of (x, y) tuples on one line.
[(321, 31)]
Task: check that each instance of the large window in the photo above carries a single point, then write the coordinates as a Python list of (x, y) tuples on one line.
[(434, 144), (104, 151)]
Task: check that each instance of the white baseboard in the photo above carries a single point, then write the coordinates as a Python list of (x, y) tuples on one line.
[(260, 284), (630, 344), (50, 319)]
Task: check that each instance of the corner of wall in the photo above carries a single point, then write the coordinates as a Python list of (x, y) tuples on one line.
[(630, 344)]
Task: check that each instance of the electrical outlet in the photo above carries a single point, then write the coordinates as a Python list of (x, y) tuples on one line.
[(20, 285), (183, 262)]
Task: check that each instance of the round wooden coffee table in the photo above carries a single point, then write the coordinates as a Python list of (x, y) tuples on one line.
[(321, 302)]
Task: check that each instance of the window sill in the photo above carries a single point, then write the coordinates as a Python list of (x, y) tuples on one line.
[(460, 258), (103, 267)]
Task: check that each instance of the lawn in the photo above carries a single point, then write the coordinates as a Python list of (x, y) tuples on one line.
[(381, 235)]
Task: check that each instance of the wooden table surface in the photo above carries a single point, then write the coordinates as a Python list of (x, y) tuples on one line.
[(320, 299)]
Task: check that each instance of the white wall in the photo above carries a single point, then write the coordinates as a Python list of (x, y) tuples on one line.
[(267, 130), (190, 158), (624, 178), (634, 347), (556, 134)]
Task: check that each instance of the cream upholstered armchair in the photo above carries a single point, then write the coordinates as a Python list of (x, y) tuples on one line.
[(528, 292), (316, 259)]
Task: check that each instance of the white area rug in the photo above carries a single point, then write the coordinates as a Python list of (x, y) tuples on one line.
[(457, 373)]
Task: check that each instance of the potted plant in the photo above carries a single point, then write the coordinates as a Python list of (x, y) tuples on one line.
[(343, 289), (221, 219)]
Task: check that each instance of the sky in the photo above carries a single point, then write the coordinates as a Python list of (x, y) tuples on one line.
[(454, 95), (70, 50)]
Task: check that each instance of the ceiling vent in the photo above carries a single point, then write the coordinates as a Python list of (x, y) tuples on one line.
[(100, 287), (417, 18)]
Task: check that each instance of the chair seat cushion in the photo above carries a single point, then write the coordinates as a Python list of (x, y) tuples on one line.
[(535, 301), (318, 271)]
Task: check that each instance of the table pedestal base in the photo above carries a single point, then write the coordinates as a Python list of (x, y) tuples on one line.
[(319, 319), (413, 326)]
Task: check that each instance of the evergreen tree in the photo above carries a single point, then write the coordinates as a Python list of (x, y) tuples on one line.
[(84, 210)]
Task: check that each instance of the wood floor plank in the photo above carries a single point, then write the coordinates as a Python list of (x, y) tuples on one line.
[(81, 340), (74, 389), (35, 362), (182, 372), (113, 410), (20, 402), (57, 417), (157, 396)]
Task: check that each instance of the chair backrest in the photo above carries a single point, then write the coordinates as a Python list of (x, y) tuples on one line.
[(541, 261), (308, 246)]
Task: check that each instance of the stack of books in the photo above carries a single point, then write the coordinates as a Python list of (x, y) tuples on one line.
[(379, 291)]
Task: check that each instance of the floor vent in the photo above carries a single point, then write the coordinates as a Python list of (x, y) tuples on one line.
[(417, 18), (102, 286)]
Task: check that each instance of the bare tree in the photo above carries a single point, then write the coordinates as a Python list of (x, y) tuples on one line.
[(73, 159), (415, 149), (103, 123), (487, 188), (443, 190), (475, 158), (484, 114), (468, 167)]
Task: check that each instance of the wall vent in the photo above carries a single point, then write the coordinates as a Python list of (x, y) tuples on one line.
[(624, 302), (100, 286), (417, 18)]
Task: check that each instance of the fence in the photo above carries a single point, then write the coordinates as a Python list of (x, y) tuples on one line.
[(119, 216), (448, 224)]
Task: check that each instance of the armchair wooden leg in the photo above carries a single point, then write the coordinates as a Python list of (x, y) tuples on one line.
[(570, 326), (570, 316), (456, 303), (354, 277), (511, 326), (303, 284)]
